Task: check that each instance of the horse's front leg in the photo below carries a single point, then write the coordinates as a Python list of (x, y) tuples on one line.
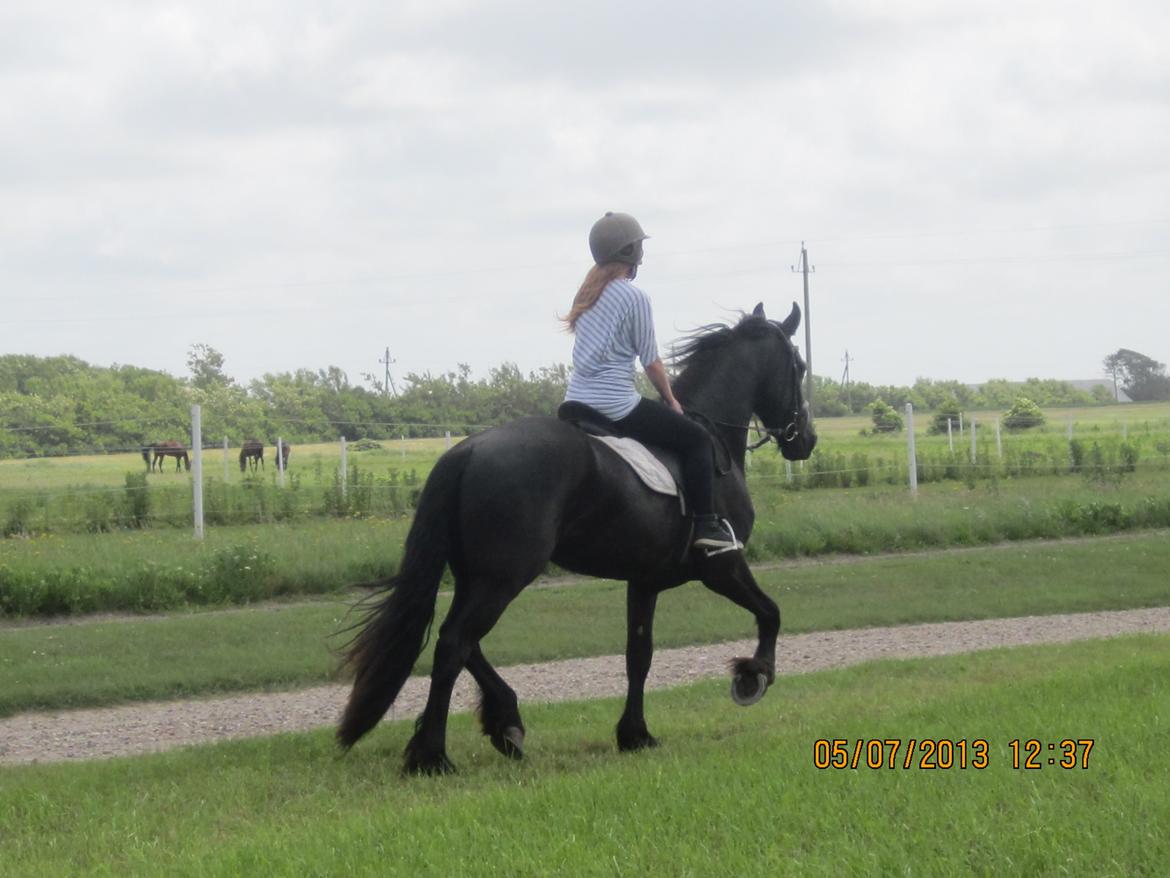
[(641, 600), (730, 576)]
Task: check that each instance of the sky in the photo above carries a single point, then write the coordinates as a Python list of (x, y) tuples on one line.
[(983, 188)]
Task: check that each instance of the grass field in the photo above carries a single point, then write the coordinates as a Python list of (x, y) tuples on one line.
[(275, 647), (731, 791)]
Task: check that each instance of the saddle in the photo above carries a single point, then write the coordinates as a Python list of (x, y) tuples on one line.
[(658, 469)]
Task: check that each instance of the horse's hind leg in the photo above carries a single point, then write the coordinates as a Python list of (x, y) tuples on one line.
[(499, 709), (632, 733), (477, 606)]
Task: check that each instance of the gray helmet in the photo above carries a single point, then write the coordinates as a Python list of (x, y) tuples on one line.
[(616, 237)]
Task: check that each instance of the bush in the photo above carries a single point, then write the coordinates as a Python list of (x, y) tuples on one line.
[(948, 411), (885, 419), (1023, 415)]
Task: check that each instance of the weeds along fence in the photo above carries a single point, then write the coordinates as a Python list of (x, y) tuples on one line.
[(1098, 455), (351, 486)]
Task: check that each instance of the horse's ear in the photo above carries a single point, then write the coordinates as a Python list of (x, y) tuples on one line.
[(792, 321), (758, 311)]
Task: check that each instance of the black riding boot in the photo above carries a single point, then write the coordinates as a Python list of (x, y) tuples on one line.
[(713, 534)]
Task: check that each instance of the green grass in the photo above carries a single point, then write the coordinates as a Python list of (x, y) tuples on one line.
[(731, 791), (278, 646), (159, 569)]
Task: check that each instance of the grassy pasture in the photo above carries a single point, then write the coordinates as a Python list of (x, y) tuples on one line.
[(285, 646), (731, 791)]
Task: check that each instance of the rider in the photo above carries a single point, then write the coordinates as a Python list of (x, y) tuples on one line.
[(612, 323)]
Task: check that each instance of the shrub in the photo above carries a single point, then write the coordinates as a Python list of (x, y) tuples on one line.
[(949, 410), (1023, 415), (885, 419)]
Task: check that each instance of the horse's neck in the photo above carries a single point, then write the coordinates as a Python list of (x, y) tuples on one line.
[(719, 391)]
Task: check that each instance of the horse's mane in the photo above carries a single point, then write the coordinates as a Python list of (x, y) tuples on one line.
[(714, 336)]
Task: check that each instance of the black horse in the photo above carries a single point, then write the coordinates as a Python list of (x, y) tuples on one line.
[(251, 453), (503, 503), (169, 448)]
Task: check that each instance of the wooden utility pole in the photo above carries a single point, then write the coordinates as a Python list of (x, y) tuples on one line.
[(388, 382), (804, 269)]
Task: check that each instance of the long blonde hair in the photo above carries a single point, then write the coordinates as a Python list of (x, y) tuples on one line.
[(595, 282)]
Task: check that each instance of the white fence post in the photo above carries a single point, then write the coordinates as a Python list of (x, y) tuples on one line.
[(225, 460), (1125, 431), (788, 470), (402, 446), (913, 458), (973, 451), (197, 468), (998, 441), (1069, 428), (280, 459), (960, 425), (448, 433), (950, 437), (344, 466)]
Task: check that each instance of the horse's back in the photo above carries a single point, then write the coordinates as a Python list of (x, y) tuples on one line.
[(537, 489)]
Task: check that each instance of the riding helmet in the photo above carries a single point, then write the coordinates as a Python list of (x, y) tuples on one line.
[(616, 237)]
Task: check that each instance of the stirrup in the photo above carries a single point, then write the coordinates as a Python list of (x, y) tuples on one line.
[(735, 547)]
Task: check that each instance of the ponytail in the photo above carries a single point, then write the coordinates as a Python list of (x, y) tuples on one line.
[(595, 282)]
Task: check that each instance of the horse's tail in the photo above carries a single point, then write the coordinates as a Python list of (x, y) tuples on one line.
[(394, 631)]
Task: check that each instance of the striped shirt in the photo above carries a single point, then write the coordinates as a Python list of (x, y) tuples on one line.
[(618, 328)]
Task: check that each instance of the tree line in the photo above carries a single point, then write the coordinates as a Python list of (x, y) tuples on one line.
[(60, 405)]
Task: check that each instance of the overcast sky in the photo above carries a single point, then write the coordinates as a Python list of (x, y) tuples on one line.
[(984, 188)]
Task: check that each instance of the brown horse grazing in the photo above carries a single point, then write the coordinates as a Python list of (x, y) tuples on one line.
[(252, 452), (169, 448)]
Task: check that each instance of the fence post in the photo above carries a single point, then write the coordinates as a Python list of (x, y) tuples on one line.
[(1069, 428), (960, 425), (913, 458), (448, 434), (974, 453), (950, 437), (225, 460), (402, 446), (998, 441), (280, 459), (788, 470), (344, 467), (197, 468), (1125, 431)]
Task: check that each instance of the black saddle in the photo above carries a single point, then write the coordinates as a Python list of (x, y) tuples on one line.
[(587, 419), (593, 422)]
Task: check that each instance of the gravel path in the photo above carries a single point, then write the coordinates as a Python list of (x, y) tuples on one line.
[(144, 728)]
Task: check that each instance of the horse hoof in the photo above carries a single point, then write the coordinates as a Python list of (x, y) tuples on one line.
[(746, 691), (429, 767), (510, 742)]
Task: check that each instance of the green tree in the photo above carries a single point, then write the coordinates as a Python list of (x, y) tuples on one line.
[(1141, 377), (206, 365)]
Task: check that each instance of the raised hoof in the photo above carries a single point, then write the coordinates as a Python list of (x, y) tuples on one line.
[(747, 689), (510, 742)]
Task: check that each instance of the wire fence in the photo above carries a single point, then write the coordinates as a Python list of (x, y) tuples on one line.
[(389, 484)]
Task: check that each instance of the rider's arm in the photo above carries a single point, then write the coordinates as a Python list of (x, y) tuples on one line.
[(656, 372)]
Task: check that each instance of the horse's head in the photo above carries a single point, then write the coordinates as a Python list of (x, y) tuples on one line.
[(779, 400)]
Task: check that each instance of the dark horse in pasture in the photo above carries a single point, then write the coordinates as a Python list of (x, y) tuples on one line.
[(252, 452), (502, 504), (154, 453)]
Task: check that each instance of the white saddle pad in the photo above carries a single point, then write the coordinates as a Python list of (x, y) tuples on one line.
[(650, 469)]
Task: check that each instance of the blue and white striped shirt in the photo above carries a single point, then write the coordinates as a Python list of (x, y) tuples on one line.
[(618, 328)]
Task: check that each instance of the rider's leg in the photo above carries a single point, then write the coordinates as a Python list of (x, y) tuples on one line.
[(655, 424)]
